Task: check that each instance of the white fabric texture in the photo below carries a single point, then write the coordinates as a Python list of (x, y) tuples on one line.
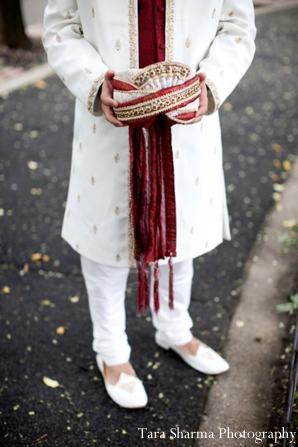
[(106, 287), (84, 38)]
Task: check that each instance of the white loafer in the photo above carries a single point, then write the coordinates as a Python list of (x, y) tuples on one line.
[(128, 392), (206, 359)]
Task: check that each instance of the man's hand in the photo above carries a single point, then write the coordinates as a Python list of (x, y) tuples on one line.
[(203, 108), (107, 100)]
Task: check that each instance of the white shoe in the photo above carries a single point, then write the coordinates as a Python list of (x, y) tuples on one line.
[(128, 392), (206, 360)]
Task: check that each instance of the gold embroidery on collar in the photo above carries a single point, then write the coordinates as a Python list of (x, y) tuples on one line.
[(133, 36), (118, 44), (93, 92), (170, 9)]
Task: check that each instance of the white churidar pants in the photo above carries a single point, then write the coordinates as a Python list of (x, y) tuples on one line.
[(106, 287)]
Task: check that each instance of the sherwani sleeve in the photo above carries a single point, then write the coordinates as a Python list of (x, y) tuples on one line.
[(70, 55), (231, 52)]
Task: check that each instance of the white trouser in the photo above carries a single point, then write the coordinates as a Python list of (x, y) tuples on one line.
[(106, 287)]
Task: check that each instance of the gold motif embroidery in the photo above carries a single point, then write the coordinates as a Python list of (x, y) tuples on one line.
[(94, 128), (146, 75), (95, 229), (93, 92), (118, 45), (117, 158), (188, 42), (214, 92), (160, 104), (118, 258), (58, 38), (92, 181), (133, 36), (87, 70), (93, 13), (239, 39), (213, 13), (170, 9), (117, 210), (129, 386), (231, 14), (68, 15)]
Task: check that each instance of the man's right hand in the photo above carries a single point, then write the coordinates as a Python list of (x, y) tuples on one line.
[(106, 97)]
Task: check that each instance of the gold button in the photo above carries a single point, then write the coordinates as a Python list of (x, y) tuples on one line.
[(117, 158)]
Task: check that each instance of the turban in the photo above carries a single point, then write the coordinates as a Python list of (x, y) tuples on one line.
[(150, 101)]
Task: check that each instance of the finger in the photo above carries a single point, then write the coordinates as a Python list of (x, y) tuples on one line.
[(202, 76), (108, 112)]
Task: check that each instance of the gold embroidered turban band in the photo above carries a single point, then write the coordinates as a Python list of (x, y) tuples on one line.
[(151, 100)]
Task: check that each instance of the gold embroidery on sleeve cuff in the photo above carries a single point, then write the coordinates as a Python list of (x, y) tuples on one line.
[(93, 92), (215, 94)]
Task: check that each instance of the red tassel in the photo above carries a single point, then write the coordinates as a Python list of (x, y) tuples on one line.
[(143, 287), (171, 281), (156, 283)]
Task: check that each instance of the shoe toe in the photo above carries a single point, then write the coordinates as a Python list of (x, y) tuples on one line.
[(128, 392)]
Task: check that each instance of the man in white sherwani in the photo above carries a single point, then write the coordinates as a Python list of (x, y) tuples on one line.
[(87, 41)]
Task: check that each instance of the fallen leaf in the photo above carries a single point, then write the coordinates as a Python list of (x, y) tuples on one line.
[(74, 299), (40, 84), (60, 330), (278, 187), (240, 323), (50, 382), (276, 163), (35, 257), (32, 165), (6, 289), (47, 303), (287, 165), (289, 223), (26, 267), (228, 106), (46, 258), (276, 147)]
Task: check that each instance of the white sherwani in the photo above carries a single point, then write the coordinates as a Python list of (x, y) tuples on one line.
[(84, 38)]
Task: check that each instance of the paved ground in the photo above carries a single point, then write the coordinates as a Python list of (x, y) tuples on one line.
[(260, 130)]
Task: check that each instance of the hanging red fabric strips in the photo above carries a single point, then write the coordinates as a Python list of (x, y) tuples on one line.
[(150, 117)]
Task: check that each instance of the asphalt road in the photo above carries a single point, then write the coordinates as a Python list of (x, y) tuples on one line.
[(260, 127)]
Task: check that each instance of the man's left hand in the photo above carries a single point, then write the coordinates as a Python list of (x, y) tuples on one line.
[(203, 108)]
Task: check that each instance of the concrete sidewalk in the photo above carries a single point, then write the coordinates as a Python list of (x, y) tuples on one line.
[(242, 398)]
